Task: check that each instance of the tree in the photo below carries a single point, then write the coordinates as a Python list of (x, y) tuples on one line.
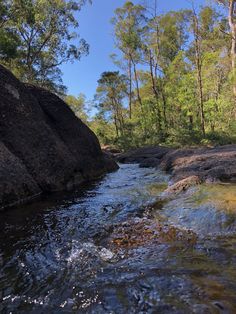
[(78, 105), (128, 22), (47, 37), (9, 40), (197, 46), (178, 82), (111, 91), (165, 36), (231, 4)]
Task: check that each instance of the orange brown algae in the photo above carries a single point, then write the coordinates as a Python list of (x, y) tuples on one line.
[(133, 233)]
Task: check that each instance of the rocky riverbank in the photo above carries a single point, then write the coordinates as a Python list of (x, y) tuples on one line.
[(44, 147), (187, 167)]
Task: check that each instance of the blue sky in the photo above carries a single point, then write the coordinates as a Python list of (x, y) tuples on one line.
[(96, 29)]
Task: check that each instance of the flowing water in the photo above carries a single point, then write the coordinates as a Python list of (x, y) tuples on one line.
[(114, 248)]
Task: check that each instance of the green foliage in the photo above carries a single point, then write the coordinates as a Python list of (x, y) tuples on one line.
[(111, 91), (8, 45), (78, 106), (179, 67), (176, 81), (37, 36), (128, 22)]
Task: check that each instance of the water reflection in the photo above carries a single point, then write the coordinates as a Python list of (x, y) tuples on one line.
[(64, 256)]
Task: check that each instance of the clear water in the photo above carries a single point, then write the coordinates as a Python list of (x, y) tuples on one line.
[(107, 249)]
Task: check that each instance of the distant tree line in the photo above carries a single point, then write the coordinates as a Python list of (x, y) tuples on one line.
[(175, 82), (176, 78)]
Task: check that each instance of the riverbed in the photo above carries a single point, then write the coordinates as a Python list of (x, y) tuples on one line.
[(115, 247)]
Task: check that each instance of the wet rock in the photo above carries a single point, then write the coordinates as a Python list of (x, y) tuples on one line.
[(12, 187), (207, 209), (140, 155), (149, 163), (44, 146), (111, 151), (106, 255), (188, 166), (209, 164), (169, 160), (140, 232), (182, 185)]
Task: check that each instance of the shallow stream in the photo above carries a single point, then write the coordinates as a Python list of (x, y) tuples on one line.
[(114, 248)]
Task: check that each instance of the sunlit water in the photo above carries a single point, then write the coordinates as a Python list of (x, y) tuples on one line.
[(109, 250)]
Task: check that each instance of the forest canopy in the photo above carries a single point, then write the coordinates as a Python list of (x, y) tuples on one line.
[(37, 36), (175, 77), (177, 72)]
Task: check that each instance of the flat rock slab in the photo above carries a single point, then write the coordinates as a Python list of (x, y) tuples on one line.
[(209, 164), (188, 166), (140, 155)]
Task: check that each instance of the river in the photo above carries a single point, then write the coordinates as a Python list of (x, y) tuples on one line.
[(113, 247)]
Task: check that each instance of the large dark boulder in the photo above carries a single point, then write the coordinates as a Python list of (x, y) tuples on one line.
[(44, 147)]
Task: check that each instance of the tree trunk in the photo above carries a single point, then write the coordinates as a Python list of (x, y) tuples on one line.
[(116, 127), (232, 24), (116, 117), (157, 50), (130, 88), (139, 97), (137, 87), (119, 116), (155, 91), (198, 62), (164, 107), (191, 122)]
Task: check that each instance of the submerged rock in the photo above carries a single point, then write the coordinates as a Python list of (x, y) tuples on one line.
[(182, 185), (207, 210), (106, 255), (141, 232), (44, 147)]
